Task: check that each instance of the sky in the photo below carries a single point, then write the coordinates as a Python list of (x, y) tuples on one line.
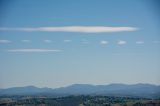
[(55, 43)]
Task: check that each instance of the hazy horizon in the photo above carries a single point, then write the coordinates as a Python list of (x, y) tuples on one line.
[(80, 84), (54, 43)]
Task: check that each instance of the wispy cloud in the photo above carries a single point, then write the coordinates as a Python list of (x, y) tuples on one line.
[(47, 41), (84, 29), (34, 50), (121, 42), (26, 41), (103, 42), (5, 41), (67, 40), (139, 42)]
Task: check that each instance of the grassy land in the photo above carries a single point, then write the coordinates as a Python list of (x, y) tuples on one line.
[(76, 101)]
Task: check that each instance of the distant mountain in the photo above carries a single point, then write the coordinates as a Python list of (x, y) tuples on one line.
[(24, 90), (136, 90)]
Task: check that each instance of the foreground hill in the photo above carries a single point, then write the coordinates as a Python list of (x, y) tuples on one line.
[(80, 100), (136, 90)]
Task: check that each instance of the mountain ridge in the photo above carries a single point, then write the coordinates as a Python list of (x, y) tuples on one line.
[(114, 89)]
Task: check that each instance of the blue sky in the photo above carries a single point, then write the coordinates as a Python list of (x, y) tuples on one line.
[(53, 43)]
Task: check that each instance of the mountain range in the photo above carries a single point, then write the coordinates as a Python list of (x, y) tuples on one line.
[(135, 90)]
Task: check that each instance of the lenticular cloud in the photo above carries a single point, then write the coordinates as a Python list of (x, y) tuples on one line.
[(83, 29)]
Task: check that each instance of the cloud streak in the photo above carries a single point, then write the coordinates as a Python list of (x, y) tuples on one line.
[(103, 42), (47, 41), (5, 41), (67, 40), (34, 50), (26, 41), (83, 29), (139, 42), (121, 42)]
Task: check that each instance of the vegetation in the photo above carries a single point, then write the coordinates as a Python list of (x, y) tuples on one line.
[(76, 101)]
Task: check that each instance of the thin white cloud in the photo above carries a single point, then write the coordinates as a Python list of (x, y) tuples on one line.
[(139, 42), (47, 41), (34, 50), (26, 41), (121, 42), (103, 42), (67, 40), (5, 41), (84, 29)]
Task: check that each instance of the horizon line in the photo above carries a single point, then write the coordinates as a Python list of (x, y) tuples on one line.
[(82, 84)]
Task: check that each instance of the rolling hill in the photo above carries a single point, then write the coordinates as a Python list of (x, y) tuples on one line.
[(136, 90)]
